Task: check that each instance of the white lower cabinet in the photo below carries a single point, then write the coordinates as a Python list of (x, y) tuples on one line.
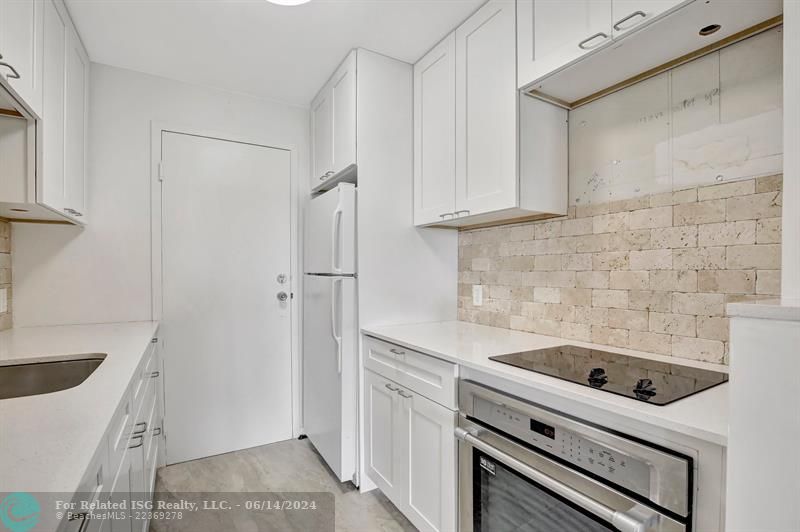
[(411, 452), (124, 470)]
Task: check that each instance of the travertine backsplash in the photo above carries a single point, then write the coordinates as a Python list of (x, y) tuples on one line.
[(651, 273), (5, 272)]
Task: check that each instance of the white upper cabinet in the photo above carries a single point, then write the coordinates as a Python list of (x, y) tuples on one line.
[(631, 14), (486, 110), (75, 124), (434, 134), (322, 138), (21, 33), (52, 176), (470, 165), (554, 33), (343, 93), (570, 50), (62, 173), (333, 126)]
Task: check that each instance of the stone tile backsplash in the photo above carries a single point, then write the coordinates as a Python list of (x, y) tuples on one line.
[(653, 273), (5, 272)]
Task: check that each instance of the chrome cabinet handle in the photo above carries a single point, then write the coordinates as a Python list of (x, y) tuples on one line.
[(73, 211), (458, 213), (157, 431), (404, 394), (141, 430), (623, 20), (326, 175), (155, 374), (391, 388), (84, 517), (621, 520), (582, 44), (14, 74), (446, 214), (141, 442), (397, 351)]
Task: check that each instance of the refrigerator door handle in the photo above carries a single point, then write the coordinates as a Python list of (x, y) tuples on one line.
[(334, 318), (335, 240)]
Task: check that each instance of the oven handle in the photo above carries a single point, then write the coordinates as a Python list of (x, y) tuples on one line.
[(620, 520)]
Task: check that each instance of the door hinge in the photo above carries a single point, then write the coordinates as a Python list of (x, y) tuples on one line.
[(161, 171)]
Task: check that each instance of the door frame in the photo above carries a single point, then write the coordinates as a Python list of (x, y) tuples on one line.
[(157, 129)]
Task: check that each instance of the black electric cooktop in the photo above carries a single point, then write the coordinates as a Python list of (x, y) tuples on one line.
[(659, 383)]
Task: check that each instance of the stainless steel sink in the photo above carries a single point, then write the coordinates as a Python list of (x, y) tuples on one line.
[(46, 376)]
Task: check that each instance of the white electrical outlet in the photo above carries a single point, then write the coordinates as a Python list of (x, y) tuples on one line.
[(477, 295), (3, 300)]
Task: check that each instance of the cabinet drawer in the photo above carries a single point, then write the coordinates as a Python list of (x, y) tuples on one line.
[(119, 435), (146, 369), (433, 378)]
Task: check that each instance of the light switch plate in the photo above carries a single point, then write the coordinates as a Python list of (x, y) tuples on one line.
[(3, 300), (477, 295)]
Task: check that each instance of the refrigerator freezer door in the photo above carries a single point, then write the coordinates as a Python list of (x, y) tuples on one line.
[(330, 243), (330, 335)]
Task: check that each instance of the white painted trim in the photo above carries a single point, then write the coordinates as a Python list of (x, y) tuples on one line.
[(790, 262), (295, 275)]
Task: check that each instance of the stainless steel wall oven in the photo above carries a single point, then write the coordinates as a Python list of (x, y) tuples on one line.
[(523, 467)]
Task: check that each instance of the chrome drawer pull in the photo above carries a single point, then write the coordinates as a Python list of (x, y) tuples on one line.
[(404, 394), (14, 74), (446, 214), (391, 388), (458, 213), (142, 430), (397, 351), (582, 44), (621, 520), (157, 431), (626, 19), (154, 374), (141, 442)]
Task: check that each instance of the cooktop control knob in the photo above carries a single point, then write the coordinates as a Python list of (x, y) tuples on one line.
[(597, 377), (644, 389)]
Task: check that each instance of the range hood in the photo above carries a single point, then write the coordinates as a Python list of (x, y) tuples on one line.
[(665, 43)]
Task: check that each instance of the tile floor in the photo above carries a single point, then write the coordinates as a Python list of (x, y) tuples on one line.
[(289, 466)]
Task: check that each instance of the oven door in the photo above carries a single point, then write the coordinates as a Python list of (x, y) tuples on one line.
[(505, 487)]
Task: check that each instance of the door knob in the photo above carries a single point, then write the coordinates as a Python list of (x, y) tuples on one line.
[(282, 296)]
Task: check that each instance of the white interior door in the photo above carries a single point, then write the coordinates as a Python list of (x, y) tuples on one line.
[(227, 350)]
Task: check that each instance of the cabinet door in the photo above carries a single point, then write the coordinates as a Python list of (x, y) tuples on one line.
[(434, 134), (486, 110), (384, 457), (431, 463), (52, 184), (76, 75), (120, 493), (321, 137), (554, 33), (21, 31), (343, 93), (630, 14)]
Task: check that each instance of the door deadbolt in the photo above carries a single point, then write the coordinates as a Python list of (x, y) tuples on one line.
[(282, 278)]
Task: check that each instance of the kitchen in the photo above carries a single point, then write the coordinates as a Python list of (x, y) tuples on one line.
[(527, 266)]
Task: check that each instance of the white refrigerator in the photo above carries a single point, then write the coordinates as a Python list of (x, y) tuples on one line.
[(330, 329)]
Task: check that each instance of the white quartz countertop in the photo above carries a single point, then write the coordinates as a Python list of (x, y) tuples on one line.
[(766, 309), (703, 416), (47, 441)]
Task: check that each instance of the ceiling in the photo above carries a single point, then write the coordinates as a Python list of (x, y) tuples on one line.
[(255, 47)]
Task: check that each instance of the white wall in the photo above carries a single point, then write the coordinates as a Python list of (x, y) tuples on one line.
[(65, 275), (790, 282)]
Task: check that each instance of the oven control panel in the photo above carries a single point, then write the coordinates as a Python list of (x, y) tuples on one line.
[(596, 458)]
